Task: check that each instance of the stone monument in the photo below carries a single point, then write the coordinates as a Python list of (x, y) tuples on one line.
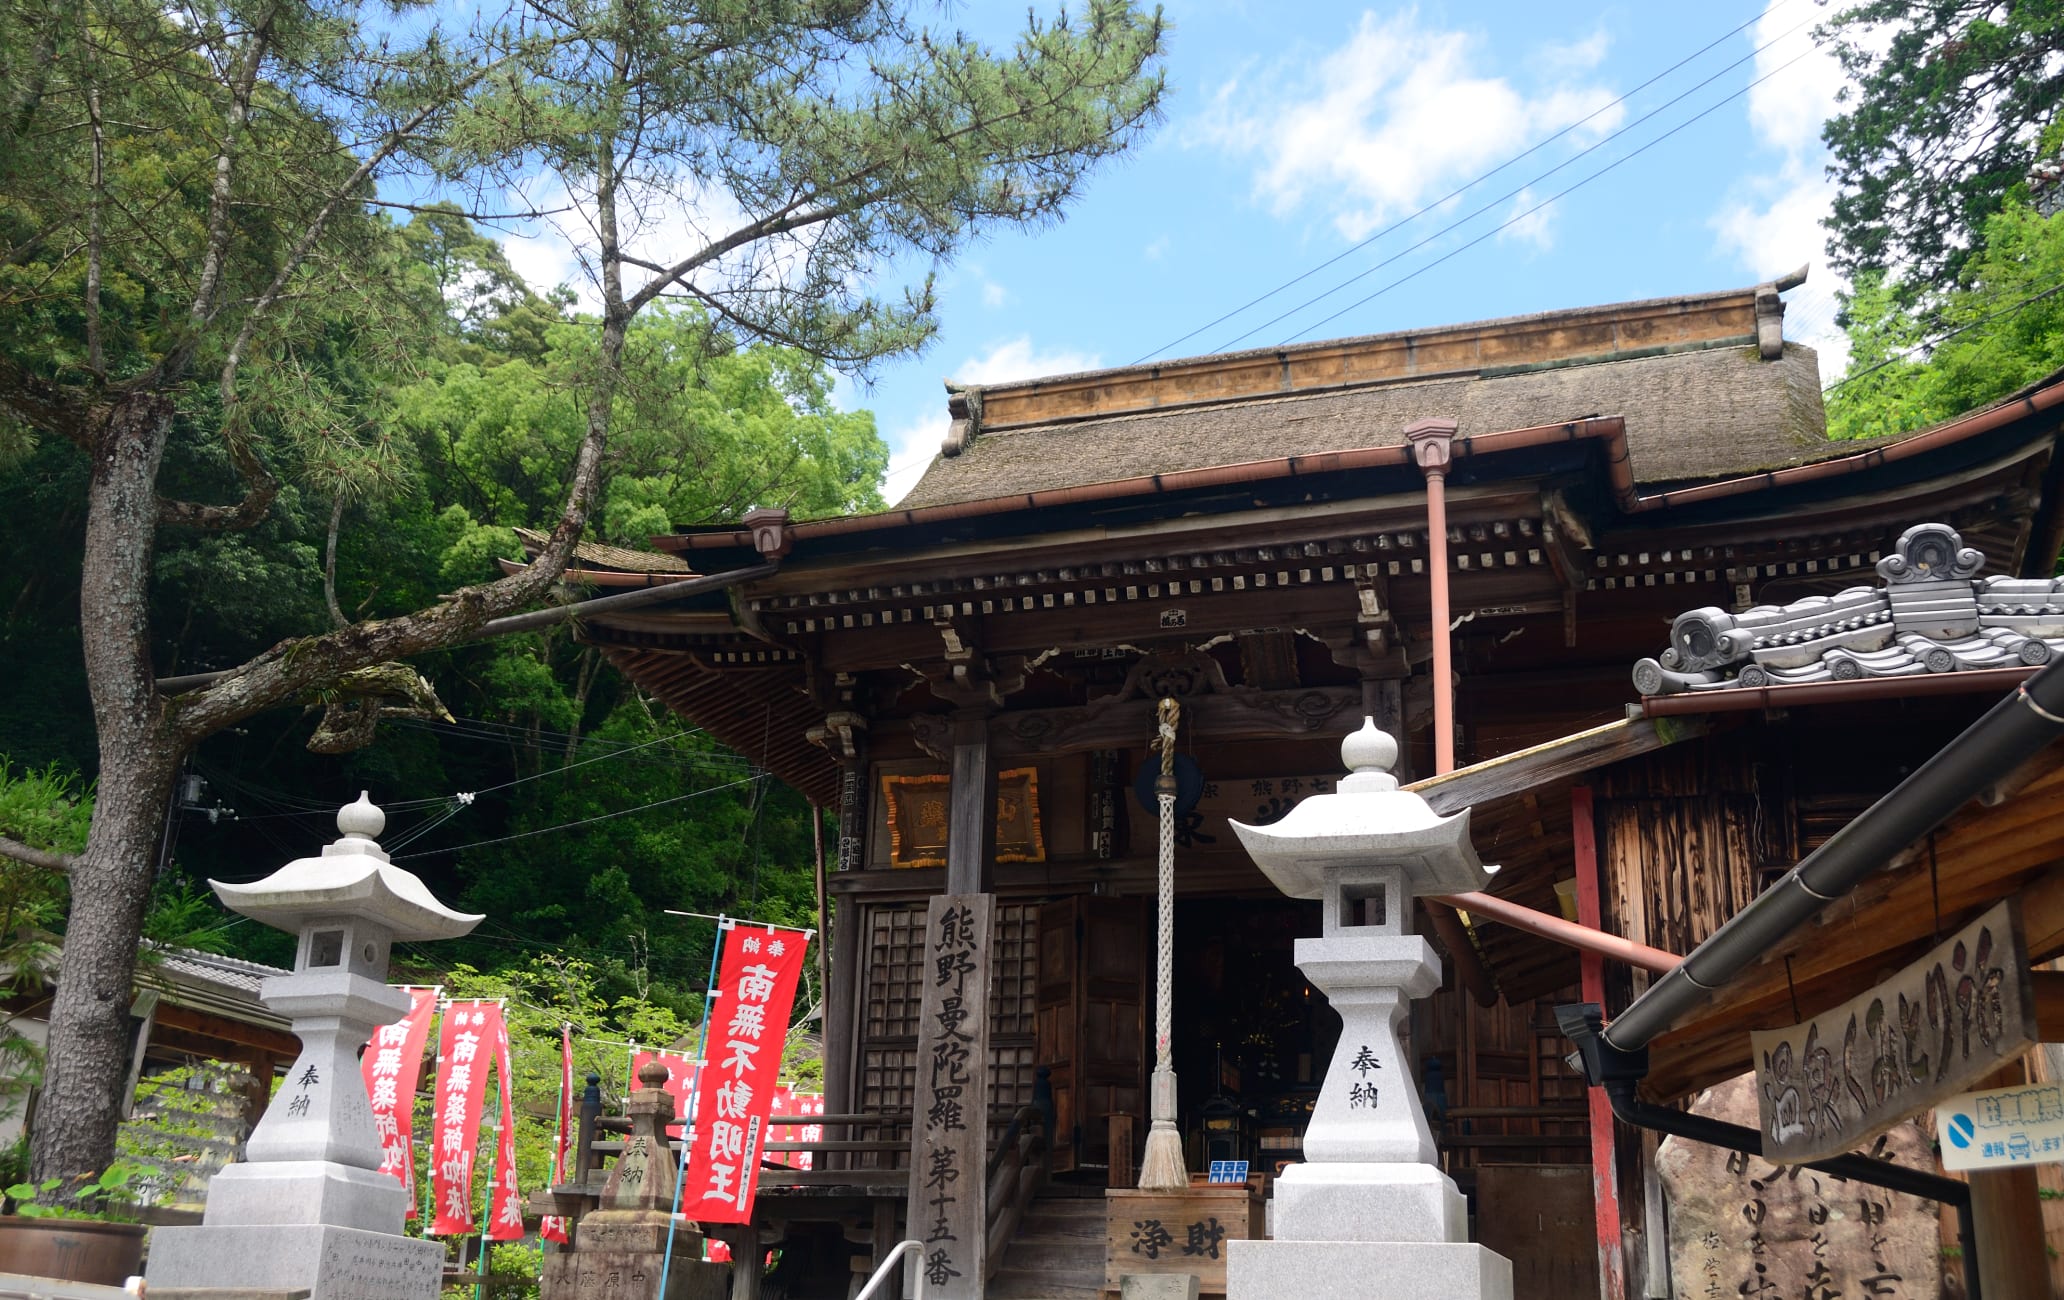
[(1368, 1213), (631, 1244), (307, 1211)]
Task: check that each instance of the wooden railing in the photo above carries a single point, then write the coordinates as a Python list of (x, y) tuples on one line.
[(1017, 1167)]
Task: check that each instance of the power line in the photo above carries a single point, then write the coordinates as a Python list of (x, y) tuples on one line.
[(1482, 177), (587, 821), (1520, 190), (1516, 219), (1907, 353)]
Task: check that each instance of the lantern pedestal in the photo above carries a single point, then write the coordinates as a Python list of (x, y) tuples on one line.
[(1368, 1213), (308, 1209)]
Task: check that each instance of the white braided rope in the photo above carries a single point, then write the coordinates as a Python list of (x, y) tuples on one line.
[(1164, 998)]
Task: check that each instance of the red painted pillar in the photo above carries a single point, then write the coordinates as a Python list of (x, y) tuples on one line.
[(1605, 1198)]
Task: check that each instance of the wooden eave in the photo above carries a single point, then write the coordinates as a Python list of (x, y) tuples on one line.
[(2008, 847)]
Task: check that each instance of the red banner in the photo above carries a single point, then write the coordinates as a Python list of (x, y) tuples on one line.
[(455, 1124), (553, 1226), (748, 1022), (681, 1077), (392, 1064), (789, 1102), (505, 1203)]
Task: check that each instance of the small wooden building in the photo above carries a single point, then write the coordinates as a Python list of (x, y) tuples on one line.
[(967, 683)]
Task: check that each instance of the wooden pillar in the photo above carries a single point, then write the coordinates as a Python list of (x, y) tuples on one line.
[(1605, 1198), (2006, 1215), (971, 816), (949, 1131)]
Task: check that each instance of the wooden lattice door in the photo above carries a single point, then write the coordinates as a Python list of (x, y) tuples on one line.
[(1091, 1021)]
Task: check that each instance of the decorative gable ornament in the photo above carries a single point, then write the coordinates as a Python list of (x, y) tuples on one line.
[(1933, 615)]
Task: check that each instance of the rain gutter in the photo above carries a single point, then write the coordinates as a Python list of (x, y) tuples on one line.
[(1738, 699), (2012, 731), (1610, 431), (1619, 1074)]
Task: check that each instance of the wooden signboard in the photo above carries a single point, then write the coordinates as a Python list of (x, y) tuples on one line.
[(919, 808), (950, 1122), (1178, 1232), (1840, 1079)]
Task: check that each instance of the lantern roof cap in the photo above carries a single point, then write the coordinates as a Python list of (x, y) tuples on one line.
[(1367, 822), (351, 878)]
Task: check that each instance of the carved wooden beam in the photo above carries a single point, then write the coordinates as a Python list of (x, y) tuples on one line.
[(1239, 715)]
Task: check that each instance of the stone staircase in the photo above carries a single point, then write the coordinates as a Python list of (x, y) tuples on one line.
[(1058, 1253)]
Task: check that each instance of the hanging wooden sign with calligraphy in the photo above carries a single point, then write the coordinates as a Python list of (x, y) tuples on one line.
[(949, 1150), (919, 808), (1838, 1080), (748, 1022)]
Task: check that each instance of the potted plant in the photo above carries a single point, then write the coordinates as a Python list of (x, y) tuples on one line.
[(79, 1230)]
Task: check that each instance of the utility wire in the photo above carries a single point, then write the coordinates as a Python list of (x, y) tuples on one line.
[(586, 821), (1907, 353), (1516, 219), (1466, 186), (1520, 190)]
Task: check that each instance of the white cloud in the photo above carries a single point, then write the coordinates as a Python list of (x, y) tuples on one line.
[(1771, 223), (657, 223), (1156, 249), (1018, 358), (1565, 58), (1393, 118), (994, 295), (1528, 227), (912, 446)]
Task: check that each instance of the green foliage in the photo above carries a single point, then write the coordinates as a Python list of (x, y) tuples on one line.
[(2001, 327), (1947, 106), (110, 1196)]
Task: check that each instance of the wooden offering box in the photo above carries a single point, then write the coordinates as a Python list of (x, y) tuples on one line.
[(1178, 1232)]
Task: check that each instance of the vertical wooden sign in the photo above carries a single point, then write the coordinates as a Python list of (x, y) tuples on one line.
[(950, 1124)]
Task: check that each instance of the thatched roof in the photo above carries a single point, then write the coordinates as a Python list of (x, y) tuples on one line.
[(1705, 413)]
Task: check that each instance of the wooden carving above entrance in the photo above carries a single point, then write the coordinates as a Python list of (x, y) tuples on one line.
[(919, 810)]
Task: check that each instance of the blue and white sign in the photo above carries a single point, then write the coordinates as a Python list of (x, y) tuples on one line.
[(2002, 1127), (1229, 1171)]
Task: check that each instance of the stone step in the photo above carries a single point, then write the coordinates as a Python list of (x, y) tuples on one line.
[(1018, 1284), (1069, 1259), (1080, 1237), (1066, 1209)]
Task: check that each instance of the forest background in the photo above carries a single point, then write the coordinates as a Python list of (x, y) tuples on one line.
[(571, 810)]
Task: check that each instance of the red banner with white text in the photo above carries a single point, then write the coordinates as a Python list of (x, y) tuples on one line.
[(392, 1064), (790, 1102), (747, 1029), (553, 1226), (504, 1202), (682, 1074), (464, 1047)]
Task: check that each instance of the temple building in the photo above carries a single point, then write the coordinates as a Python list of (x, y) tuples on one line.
[(1605, 577)]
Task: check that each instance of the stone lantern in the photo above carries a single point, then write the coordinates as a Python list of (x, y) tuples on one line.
[(307, 1208), (1368, 1213)]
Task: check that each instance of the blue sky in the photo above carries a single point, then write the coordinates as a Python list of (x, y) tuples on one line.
[(1296, 131)]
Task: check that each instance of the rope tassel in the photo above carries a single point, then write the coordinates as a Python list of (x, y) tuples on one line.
[(1162, 1169)]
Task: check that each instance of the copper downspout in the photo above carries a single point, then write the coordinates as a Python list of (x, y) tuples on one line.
[(1432, 442), (1569, 933), (1429, 441)]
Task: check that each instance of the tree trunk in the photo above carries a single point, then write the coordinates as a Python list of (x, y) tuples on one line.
[(89, 1048)]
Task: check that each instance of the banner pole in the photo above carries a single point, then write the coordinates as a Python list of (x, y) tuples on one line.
[(709, 1009)]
